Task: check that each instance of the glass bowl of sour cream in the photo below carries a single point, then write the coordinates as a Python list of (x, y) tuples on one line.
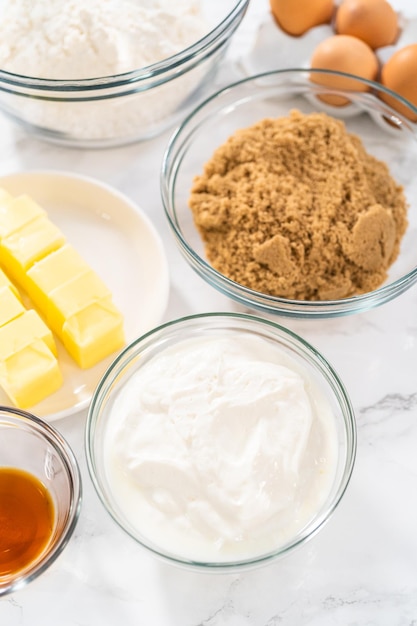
[(40, 497), (220, 441)]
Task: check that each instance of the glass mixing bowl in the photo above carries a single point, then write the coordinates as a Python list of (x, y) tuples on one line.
[(30, 445), (322, 384), (385, 134), (113, 110)]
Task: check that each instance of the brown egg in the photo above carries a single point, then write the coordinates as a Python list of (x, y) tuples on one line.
[(400, 75), (373, 21), (343, 53), (297, 16)]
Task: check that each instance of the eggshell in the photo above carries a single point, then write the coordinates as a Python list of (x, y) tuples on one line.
[(400, 75), (343, 53), (373, 21), (296, 17)]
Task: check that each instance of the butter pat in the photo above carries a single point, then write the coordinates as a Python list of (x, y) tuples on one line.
[(29, 325), (30, 243), (93, 333), (6, 282), (10, 305), (54, 270), (17, 212), (71, 297), (29, 370), (30, 374), (82, 314), (77, 306), (23, 329)]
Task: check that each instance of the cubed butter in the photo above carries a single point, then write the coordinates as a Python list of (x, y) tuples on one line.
[(55, 269), (16, 213), (10, 305), (21, 330), (73, 296), (78, 309), (93, 333), (29, 370), (6, 282), (31, 243), (29, 374)]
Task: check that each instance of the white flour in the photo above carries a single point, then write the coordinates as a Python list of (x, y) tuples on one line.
[(79, 39)]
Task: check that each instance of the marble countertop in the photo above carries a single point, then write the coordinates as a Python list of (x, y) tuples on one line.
[(360, 570)]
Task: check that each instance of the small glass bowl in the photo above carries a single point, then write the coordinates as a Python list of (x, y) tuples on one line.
[(317, 372), (385, 134), (29, 444), (137, 105)]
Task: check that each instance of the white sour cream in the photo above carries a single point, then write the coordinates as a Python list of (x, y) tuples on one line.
[(220, 449)]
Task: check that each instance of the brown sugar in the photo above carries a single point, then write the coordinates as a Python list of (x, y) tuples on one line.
[(295, 207)]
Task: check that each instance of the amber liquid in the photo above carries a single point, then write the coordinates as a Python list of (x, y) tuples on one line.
[(26, 519)]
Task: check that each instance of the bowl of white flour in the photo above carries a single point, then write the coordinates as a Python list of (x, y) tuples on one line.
[(98, 73)]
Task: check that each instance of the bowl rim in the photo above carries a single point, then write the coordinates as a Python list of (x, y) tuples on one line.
[(244, 295), (315, 358), (70, 463), (192, 53)]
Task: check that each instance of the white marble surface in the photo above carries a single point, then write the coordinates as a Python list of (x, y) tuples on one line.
[(360, 570)]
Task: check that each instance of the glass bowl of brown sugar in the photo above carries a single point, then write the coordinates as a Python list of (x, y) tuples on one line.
[(291, 205)]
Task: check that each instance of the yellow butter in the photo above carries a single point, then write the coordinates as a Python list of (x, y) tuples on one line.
[(10, 305), (29, 370), (93, 333), (6, 282), (23, 329), (29, 374), (55, 269), (80, 311), (73, 296), (30, 243), (16, 213)]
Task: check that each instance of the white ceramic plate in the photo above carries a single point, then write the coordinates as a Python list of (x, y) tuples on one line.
[(120, 243)]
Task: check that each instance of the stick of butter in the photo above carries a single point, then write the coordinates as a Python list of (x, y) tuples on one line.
[(6, 282), (93, 332), (29, 370), (16, 212), (10, 305), (28, 374), (54, 270), (71, 297), (30, 243)]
